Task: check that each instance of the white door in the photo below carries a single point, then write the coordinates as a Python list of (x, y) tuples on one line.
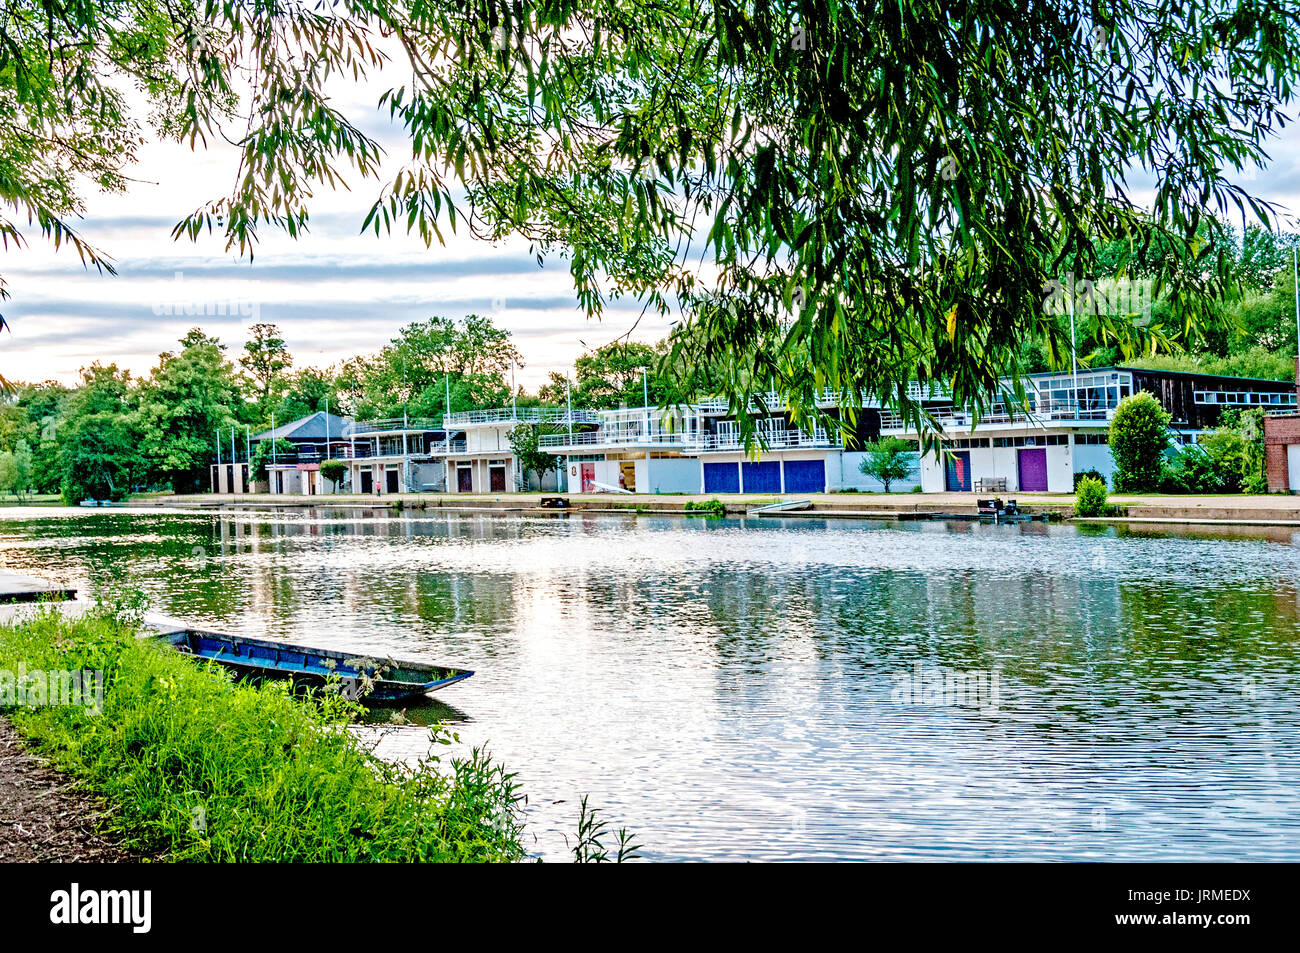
[(1293, 467)]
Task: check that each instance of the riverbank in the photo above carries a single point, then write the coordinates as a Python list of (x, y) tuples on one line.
[(191, 765), (44, 817), (1270, 510)]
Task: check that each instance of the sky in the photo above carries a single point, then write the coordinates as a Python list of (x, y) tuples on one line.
[(334, 293)]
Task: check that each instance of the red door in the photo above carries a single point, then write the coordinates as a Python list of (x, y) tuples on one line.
[(1033, 470), (464, 479), (589, 478), (497, 477)]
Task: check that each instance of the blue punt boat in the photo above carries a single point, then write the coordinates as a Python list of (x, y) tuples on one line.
[(373, 681)]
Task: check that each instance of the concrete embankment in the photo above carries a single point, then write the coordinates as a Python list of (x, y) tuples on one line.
[(1241, 510)]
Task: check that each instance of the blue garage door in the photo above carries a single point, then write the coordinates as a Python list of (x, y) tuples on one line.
[(805, 476), (721, 478), (761, 477)]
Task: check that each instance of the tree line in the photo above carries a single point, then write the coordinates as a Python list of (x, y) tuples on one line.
[(115, 433)]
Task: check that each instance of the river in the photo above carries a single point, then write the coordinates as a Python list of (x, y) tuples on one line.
[(788, 688)]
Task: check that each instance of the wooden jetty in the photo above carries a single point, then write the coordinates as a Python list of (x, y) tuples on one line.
[(18, 588)]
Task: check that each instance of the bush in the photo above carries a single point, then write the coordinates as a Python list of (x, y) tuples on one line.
[(1192, 470), (1228, 459), (713, 508), (1090, 497), (1139, 435), (1088, 474)]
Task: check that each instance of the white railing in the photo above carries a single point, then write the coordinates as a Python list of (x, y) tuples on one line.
[(394, 424), (770, 439), (1040, 412), (773, 401), (521, 415), (611, 438)]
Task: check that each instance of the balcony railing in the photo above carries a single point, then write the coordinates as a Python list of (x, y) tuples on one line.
[(1041, 412), (522, 415), (611, 438), (396, 424), (770, 439), (773, 401)]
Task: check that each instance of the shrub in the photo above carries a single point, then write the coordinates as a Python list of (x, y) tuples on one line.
[(1139, 435), (713, 508), (1090, 474), (1191, 470), (1090, 497), (888, 459)]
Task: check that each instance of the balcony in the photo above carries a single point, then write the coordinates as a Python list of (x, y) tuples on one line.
[(395, 424), (772, 401), (1042, 412), (522, 415), (611, 438), (769, 440)]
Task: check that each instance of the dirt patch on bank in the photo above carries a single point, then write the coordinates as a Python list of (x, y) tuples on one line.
[(42, 817)]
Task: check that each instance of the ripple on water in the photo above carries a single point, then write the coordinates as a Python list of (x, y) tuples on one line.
[(735, 689)]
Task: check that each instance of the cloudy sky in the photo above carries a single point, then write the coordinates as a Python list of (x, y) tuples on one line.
[(334, 293)]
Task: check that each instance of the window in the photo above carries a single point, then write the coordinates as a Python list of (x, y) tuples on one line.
[(1245, 398)]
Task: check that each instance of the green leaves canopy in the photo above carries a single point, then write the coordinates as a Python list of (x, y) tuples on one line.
[(844, 197)]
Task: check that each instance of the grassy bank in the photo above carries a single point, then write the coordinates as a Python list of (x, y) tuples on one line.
[(194, 766)]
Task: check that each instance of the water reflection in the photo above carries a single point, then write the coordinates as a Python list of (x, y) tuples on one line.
[(726, 688)]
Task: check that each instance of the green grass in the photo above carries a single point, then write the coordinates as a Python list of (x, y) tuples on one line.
[(194, 766)]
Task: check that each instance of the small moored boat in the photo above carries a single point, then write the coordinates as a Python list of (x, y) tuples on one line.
[(374, 681)]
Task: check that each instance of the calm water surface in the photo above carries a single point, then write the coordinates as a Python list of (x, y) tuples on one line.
[(741, 689)]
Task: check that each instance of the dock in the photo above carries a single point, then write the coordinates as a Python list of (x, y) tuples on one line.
[(18, 588)]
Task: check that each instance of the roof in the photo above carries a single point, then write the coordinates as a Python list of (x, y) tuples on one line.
[(311, 427), (1161, 370)]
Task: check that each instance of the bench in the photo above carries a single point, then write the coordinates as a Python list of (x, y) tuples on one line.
[(991, 485), (555, 502)]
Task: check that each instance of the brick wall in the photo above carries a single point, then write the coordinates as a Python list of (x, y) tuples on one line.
[(1279, 432)]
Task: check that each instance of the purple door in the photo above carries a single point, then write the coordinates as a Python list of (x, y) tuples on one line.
[(1033, 470)]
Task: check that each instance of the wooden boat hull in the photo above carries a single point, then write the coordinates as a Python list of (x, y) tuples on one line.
[(372, 681)]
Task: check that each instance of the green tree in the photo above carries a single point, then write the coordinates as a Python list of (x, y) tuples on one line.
[(524, 441), (333, 470), (42, 407), (98, 445), (1139, 436), (881, 192), (22, 467), (308, 391), (615, 374), (270, 451), (16, 470), (265, 362), (190, 398), (470, 360), (888, 459), (8, 482)]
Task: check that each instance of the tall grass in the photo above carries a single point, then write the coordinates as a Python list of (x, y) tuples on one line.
[(194, 766)]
